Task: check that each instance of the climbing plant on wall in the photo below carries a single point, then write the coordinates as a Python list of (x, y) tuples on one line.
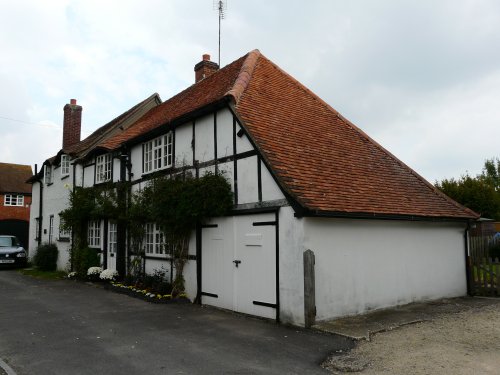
[(178, 203)]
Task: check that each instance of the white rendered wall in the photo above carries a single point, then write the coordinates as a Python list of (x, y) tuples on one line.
[(224, 133), (291, 269), (270, 190), (247, 180), (88, 176), (55, 199), (34, 213), (368, 264), (116, 169), (204, 138), (183, 147)]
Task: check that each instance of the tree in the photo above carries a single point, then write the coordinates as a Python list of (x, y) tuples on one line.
[(480, 193)]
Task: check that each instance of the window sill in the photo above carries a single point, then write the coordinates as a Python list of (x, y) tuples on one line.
[(63, 239), (49, 183), (65, 177)]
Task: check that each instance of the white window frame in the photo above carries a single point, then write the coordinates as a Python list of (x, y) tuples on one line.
[(154, 240), (48, 174), (13, 200), (112, 237), (63, 233), (158, 153), (94, 233), (103, 169), (51, 228), (65, 165)]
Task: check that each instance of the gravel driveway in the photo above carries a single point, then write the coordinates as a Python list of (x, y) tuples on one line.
[(466, 342)]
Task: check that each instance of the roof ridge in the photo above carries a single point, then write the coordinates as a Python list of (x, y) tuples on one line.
[(117, 120), (244, 76)]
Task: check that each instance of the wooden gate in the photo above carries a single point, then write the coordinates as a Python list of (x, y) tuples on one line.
[(484, 270)]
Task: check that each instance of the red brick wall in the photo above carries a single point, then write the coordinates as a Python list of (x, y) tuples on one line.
[(15, 212)]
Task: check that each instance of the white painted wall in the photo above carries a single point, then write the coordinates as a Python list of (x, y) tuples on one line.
[(247, 180), (183, 148), (55, 199), (88, 175), (270, 190), (204, 138), (116, 169), (34, 213), (136, 160), (243, 144), (224, 133), (291, 269), (369, 264)]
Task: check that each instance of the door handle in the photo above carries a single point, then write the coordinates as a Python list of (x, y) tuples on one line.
[(236, 262)]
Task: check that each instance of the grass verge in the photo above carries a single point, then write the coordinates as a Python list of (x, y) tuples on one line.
[(47, 275)]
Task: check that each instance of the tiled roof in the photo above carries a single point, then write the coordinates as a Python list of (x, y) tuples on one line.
[(199, 95), (323, 161), (13, 178), (112, 128)]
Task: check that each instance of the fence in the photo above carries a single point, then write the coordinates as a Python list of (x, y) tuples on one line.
[(484, 270)]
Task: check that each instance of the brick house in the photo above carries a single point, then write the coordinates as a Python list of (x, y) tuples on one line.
[(15, 200)]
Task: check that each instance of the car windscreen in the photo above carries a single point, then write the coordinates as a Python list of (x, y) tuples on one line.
[(8, 241)]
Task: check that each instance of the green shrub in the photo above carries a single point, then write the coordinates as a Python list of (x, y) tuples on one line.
[(83, 259), (45, 258)]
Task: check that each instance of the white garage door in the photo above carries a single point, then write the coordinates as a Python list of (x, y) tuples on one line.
[(239, 264)]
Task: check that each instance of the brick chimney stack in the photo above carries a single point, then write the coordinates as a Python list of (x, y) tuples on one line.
[(204, 68), (72, 123)]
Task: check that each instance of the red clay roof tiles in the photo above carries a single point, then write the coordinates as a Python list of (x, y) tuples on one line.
[(13, 178), (322, 160)]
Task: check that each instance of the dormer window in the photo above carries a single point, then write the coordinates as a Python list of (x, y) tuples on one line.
[(48, 174), (64, 165), (158, 153), (103, 168)]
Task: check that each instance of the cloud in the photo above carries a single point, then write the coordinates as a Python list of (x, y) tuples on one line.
[(419, 77)]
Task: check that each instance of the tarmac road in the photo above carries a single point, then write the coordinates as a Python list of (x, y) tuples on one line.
[(66, 327)]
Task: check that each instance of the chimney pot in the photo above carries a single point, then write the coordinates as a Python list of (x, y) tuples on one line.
[(205, 68), (72, 101)]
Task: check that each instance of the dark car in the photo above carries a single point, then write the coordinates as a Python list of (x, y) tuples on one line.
[(11, 252)]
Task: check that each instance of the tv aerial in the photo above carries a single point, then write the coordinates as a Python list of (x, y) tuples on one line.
[(221, 7)]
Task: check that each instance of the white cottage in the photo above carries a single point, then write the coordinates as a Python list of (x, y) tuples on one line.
[(304, 178)]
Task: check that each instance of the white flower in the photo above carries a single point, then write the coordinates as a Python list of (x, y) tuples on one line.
[(108, 274), (71, 275), (94, 271)]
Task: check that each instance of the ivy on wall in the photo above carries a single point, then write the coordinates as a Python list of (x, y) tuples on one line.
[(177, 203)]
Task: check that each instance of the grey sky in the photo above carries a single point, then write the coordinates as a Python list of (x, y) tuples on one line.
[(420, 77)]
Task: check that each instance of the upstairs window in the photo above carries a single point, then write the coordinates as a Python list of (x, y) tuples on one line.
[(158, 153), (64, 165), (94, 233), (48, 174), (13, 200), (103, 168)]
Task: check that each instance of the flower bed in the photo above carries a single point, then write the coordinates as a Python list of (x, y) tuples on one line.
[(146, 294)]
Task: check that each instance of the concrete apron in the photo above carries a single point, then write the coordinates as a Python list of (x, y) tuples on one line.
[(361, 327)]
